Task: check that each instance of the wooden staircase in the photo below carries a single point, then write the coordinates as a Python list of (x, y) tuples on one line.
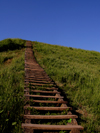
[(37, 81)]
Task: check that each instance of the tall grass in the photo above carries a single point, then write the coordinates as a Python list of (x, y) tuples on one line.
[(11, 90), (78, 72)]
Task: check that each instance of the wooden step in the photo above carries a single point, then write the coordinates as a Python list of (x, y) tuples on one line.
[(48, 108), (51, 127), (47, 88), (39, 75), (40, 91), (43, 96), (41, 84), (35, 81), (35, 72), (34, 69), (50, 116), (39, 79), (43, 101), (47, 80), (36, 64)]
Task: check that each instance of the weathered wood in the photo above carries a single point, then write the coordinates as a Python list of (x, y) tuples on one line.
[(52, 127), (48, 108), (39, 79), (50, 116), (40, 84), (58, 95), (42, 96), (46, 101), (51, 88), (40, 91), (39, 69), (36, 81), (47, 88)]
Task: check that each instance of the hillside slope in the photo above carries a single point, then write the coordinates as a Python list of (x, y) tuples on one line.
[(77, 72), (11, 85)]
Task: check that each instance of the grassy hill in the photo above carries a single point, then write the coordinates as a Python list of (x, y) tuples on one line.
[(77, 73), (11, 84)]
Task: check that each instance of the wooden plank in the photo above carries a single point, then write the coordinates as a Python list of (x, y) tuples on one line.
[(40, 84), (39, 79), (35, 70), (36, 81), (40, 69), (47, 88), (40, 91), (50, 116), (43, 101), (51, 127), (48, 108), (51, 88), (43, 96), (39, 76)]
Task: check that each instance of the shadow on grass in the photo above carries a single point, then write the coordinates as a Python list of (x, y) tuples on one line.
[(9, 44)]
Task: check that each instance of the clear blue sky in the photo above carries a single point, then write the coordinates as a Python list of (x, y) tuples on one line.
[(71, 23)]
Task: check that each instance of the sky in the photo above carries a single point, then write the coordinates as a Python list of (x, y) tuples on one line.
[(70, 23)]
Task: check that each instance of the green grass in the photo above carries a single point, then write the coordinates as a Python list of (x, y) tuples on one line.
[(11, 44), (11, 86), (77, 72)]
